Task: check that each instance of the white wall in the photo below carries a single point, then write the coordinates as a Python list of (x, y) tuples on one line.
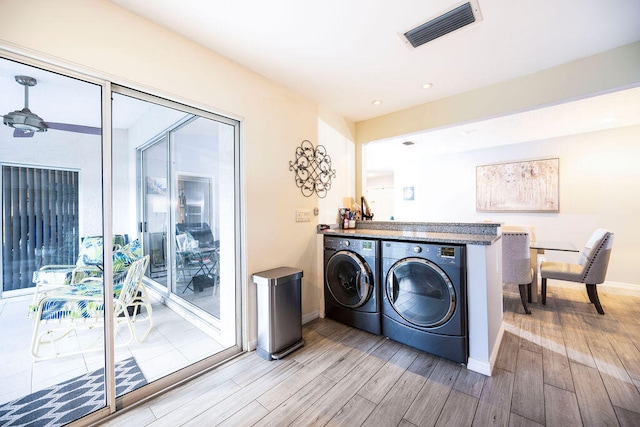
[(337, 137), (100, 38), (599, 187)]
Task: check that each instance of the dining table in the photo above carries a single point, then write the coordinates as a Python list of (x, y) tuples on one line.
[(538, 249)]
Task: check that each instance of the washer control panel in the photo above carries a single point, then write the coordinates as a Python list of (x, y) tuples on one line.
[(361, 246), (446, 252)]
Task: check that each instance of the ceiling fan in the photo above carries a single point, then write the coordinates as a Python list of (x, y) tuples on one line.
[(27, 123)]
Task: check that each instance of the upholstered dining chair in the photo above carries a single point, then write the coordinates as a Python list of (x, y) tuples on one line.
[(516, 263), (591, 268)]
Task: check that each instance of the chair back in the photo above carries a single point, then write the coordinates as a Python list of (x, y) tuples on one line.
[(185, 242), (595, 256), (508, 228), (132, 281), (516, 257), (200, 232), (91, 249)]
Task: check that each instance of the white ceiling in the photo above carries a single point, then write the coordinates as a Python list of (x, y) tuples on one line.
[(345, 54)]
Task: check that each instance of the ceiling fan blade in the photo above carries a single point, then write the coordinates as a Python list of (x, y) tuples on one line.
[(21, 133), (74, 128)]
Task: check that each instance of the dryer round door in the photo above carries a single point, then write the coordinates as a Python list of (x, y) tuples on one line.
[(420, 292), (349, 279)]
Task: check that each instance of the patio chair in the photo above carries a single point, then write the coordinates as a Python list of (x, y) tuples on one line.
[(89, 264), (196, 262), (81, 307)]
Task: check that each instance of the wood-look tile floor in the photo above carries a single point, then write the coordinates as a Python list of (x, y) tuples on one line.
[(564, 365)]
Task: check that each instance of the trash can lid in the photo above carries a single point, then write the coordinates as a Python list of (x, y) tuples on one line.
[(277, 275)]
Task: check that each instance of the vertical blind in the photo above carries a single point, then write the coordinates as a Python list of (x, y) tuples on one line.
[(40, 222)]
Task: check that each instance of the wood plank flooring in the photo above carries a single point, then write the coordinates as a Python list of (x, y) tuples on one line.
[(564, 365)]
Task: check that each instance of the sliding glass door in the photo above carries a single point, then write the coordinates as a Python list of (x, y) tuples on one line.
[(183, 192), (119, 258)]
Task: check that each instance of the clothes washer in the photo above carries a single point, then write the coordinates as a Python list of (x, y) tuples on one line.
[(351, 290), (424, 297)]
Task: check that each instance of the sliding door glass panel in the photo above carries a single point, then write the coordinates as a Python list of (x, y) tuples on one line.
[(203, 179), (176, 182), (51, 183)]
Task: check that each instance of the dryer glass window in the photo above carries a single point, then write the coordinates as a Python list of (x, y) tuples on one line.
[(421, 292), (349, 279)]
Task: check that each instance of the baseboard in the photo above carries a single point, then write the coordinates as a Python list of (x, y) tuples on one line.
[(619, 288), (252, 345), (496, 347), (621, 285), (311, 316), (483, 368)]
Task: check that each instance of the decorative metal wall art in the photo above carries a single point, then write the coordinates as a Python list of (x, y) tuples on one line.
[(313, 169)]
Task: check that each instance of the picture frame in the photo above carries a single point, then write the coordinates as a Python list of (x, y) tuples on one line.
[(156, 186), (408, 193), (524, 186)]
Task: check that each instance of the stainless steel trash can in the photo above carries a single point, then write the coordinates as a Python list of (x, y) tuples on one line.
[(279, 312)]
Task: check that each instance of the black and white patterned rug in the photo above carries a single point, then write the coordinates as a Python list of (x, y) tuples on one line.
[(70, 400)]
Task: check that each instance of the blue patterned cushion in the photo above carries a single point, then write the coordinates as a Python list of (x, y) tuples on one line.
[(90, 251), (58, 305), (122, 258), (134, 248), (53, 276)]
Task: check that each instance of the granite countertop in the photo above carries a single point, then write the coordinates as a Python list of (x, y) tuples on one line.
[(417, 236)]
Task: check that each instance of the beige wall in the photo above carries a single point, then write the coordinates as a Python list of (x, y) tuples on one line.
[(599, 184), (600, 73), (598, 180), (99, 38)]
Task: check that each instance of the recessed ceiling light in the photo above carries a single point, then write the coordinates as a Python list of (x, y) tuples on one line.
[(377, 102), (407, 143), (427, 85)]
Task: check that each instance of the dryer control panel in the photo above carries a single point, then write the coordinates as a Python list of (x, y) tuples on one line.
[(441, 254)]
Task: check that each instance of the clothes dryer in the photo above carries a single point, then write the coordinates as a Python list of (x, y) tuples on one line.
[(351, 290), (424, 297)]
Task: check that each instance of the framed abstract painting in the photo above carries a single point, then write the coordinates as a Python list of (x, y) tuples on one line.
[(526, 186)]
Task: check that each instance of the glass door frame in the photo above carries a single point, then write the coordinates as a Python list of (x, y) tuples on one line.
[(142, 208), (211, 361), (108, 86)]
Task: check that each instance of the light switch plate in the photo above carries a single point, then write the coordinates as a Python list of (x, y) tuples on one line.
[(303, 215)]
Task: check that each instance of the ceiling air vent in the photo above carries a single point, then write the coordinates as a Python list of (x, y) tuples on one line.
[(443, 24)]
